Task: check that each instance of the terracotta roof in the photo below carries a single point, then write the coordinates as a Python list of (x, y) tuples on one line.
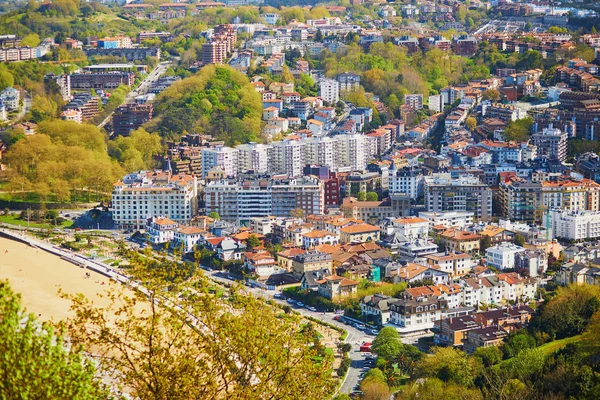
[(342, 281), (317, 234), (459, 235), (291, 253), (164, 221), (360, 228), (190, 230), (327, 248), (215, 241), (410, 220)]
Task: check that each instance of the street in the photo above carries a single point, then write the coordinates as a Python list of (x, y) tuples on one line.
[(156, 73), (356, 337)]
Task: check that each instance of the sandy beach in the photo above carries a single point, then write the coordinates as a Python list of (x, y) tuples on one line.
[(38, 275)]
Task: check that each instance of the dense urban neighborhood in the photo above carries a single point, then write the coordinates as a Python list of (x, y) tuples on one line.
[(257, 199)]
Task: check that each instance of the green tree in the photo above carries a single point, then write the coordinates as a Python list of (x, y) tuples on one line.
[(471, 123), (253, 242), (35, 363), (486, 242), (518, 130), (217, 101), (449, 365), (371, 196), (202, 348), (519, 240), (214, 215), (387, 344), (488, 355), (361, 196), (491, 94), (31, 40), (6, 79)]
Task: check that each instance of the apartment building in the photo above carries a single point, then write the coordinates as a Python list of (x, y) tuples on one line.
[(502, 256), (102, 80), (254, 157), (414, 101), (240, 200), (86, 104), (130, 117), (551, 143), (405, 180), (329, 90), (223, 157), (153, 193), (348, 81), (449, 219), (214, 53), (417, 314), (131, 54), (523, 200), (574, 225), (464, 194)]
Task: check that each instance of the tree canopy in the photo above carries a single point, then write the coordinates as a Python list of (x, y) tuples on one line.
[(238, 347), (35, 364), (217, 101)]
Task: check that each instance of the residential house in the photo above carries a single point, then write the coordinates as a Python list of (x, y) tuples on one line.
[(376, 308), (416, 272), (311, 261), (285, 258), (160, 230), (335, 287), (454, 240), (261, 263), (484, 337), (318, 237), (359, 233), (456, 264), (187, 237), (453, 331), (416, 314)]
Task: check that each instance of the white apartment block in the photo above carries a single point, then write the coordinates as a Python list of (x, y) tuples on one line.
[(502, 256), (436, 103), (321, 151), (329, 90), (414, 101), (449, 219), (220, 156), (410, 228), (551, 143), (254, 157), (575, 225), (240, 201), (456, 264), (405, 180), (142, 195), (289, 157)]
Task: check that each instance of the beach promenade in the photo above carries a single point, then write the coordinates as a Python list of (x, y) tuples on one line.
[(37, 270)]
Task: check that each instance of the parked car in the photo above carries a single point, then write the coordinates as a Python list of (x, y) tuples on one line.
[(311, 308)]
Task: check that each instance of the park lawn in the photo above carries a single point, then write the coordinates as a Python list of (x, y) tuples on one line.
[(547, 348), (555, 345), (14, 220)]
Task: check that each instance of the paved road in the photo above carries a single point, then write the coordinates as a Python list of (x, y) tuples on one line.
[(156, 73), (355, 337)]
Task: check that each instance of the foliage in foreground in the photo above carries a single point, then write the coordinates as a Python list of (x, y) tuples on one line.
[(179, 342), (34, 363)]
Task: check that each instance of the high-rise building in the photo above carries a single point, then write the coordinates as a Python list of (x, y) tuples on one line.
[(466, 193), (238, 200), (130, 117), (254, 157), (348, 81), (223, 157), (551, 143), (214, 53), (329, 90), (414, 101), (145, 194), (523, 200), (436, 103), (405, 180)]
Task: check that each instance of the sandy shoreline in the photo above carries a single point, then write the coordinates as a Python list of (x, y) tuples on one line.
[(38, 275)]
